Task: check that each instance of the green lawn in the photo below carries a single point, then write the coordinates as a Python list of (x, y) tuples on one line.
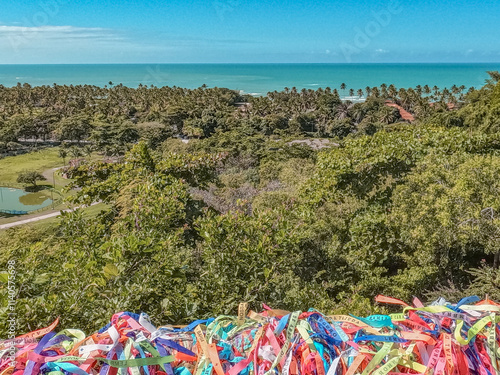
[(39, 161)]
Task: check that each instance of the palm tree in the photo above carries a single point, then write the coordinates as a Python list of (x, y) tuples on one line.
[(63, 154), (75, 152), (370, 118), (360, 93), (343, 86), (446, 94), (87, 150), (351, 92), (393, 92), (422, 110), (358, 112), (343, 110), (387, 115), (383, 89)]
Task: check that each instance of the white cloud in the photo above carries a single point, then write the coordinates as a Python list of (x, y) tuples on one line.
[(19, 37), (68, 44), (17, 30), (380, 50), (71, 44)]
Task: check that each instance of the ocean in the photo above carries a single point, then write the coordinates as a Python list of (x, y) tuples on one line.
[(255, 79)]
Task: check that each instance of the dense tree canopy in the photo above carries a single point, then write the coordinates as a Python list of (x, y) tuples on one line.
[(236, 211), (113, 117)]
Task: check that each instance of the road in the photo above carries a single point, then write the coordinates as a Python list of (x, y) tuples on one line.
[(48, 174), (35, 219)]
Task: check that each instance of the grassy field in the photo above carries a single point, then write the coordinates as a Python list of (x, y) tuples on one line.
[(41, 161), (89, 212), (38, 161)]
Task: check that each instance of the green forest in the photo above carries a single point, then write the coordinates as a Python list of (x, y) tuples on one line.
[(297, 199)]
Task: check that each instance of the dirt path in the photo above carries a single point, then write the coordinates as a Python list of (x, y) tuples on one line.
[(48, 174)]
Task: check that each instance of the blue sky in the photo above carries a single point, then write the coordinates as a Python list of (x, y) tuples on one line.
[(238, 31)]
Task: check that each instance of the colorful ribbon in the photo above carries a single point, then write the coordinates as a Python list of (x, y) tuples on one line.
[(440, 339)]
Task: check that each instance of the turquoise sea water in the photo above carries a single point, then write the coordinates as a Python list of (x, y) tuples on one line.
[(257, 79)]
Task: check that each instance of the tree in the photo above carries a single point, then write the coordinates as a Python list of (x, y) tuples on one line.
[(63, 154), (343, 110), (339, 128), (392, 92), (383, 89), (7, 132), (495, 76), (343, 86), (448, 210), (23, 124), (154, 133), (30, 177), (75, 152), (127, 133), (74, 129), (303, 123), (390, 208), (388, 115), (87, 150), (258, 256)]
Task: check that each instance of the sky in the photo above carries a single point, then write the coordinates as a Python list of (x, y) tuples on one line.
[(248, 31)]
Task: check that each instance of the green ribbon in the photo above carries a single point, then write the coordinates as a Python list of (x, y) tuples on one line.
[(136, 362)]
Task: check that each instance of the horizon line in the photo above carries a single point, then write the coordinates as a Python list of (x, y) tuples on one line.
[(256, 63)]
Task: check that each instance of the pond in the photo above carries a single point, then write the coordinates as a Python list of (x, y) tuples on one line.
[(18, 201)]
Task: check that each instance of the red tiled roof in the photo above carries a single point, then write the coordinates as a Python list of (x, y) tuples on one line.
[(405, 115)]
